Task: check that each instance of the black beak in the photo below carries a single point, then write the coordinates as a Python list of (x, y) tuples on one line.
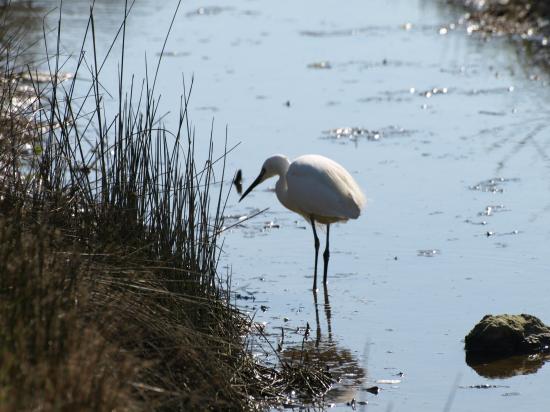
[(253, 185)]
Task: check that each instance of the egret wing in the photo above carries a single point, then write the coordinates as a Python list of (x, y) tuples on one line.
[(321, 187)]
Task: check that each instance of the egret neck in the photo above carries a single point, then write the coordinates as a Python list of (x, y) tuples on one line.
[(280, 167)]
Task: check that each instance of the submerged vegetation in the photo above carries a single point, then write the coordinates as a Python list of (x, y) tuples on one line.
[(111, 296)]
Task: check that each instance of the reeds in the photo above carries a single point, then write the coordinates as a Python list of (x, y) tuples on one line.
[(109, 230)]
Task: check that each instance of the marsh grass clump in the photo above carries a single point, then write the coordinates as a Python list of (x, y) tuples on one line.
[(110, 294), (305, 372), (111, 298), (51, 357)]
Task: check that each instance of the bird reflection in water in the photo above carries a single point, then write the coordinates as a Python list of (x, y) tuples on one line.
[(341, 362), (328, 316), (322, 349)]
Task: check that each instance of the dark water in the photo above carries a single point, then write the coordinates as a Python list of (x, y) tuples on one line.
[(446, 134)]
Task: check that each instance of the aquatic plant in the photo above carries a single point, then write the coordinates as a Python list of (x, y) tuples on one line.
[(109, 239)]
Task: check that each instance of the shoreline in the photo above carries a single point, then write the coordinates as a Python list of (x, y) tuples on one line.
[(525, 22)]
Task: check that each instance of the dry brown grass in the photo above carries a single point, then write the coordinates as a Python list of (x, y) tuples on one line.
[(110, 298), (51, 356)]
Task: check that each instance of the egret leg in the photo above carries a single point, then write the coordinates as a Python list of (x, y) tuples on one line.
[(316, 253), (326, 256)]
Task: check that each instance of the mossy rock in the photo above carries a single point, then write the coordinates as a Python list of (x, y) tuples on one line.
[(508, 335)]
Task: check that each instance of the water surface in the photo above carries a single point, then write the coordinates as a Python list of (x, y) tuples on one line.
[(446, 134)]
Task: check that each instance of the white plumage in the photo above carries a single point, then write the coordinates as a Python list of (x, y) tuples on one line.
[(317, 188)]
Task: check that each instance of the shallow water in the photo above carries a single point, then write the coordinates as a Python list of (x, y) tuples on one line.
[(448, 136)]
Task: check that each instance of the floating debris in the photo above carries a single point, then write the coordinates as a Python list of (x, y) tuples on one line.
[(173, 53), (271, 225), (388, 381), (208, 11), (236, 217), (208, 108), (343, 32), (45, 77), (483, 386), (240, 296), (401, 95), (327, 33), (236, 220), (385, 62), (430, 92), (491, 113), (491, 209), (352, 133), (373, 389), (372, 29), (490, 233), (482, 223), (495, 90), (320, 65), (355, 133), (492, 185), (428, 252)]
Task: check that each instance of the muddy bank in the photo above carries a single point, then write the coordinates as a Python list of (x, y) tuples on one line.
[(503, 346), (527, 22), (508, 335)]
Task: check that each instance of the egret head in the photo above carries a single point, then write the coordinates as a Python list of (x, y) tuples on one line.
[(274, 165)]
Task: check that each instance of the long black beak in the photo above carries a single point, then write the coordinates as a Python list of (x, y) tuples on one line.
[(253, 185)]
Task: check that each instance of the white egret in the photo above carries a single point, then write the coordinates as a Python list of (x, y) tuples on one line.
[(317, 188)]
